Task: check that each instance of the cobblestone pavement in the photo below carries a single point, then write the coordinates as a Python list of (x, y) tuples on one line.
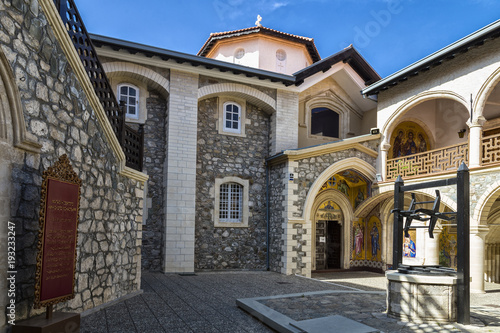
[(206, 303)]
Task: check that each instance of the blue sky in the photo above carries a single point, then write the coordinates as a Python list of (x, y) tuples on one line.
[(390, 34)]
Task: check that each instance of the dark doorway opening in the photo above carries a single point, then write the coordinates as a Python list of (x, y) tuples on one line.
[(328, 245)]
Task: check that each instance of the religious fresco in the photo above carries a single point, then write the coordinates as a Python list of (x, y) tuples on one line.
[(358, 232), (374, 235), (366, 239), (408, 138), (366, 233), (448, 248), (410, 244), (351, 184), (329, 211)]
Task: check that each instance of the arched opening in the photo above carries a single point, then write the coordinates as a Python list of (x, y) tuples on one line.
[(333, 222), (329, 240), (490, 137), (492, 243), (427, 130), (491, 111)]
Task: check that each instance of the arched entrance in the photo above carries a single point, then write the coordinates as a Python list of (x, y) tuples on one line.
[(329, 223)]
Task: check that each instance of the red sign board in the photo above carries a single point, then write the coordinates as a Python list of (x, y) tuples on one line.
[(59, 213), (59, 244)]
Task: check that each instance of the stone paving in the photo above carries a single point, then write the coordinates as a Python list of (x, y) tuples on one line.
[(206, 302)]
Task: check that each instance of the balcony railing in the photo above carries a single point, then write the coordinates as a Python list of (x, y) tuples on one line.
[(431, 162), (443, 160), (490, 150), (130, 140)]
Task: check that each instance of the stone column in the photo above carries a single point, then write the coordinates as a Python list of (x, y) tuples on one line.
[(382, 163), (285, 122), (477, 249), (432, 248), (497, 263), (180, 173), (292, 248), (476, 129)]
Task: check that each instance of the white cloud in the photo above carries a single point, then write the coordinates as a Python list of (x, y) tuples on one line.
[(277, 5)]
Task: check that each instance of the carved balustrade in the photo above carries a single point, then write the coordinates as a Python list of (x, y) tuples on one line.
[(490, 150), (427, 163)]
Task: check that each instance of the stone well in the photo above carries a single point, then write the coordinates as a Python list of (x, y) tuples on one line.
[(421, 298)]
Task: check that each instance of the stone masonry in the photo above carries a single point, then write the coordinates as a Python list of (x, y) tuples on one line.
[(154, 158), (57, 113), (277, 220), (220, 156)]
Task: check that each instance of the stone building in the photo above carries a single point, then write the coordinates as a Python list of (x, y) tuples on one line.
[(258, 153), (215, 132), (268, 160)]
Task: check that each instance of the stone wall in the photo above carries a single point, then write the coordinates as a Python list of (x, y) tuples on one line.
[(309, 169), (276, 216), (154, 158), (58, 115), (219, 156)]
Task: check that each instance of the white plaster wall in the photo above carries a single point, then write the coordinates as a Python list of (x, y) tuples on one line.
[(260, 52), (296, 56), (461, 77), (369, 121)]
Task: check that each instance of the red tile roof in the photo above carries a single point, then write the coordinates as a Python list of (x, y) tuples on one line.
[(214, 37)]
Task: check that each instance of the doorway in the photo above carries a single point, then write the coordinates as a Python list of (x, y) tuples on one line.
[(328, 245)]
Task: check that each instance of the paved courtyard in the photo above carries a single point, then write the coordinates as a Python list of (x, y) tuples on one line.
[(206, 302)]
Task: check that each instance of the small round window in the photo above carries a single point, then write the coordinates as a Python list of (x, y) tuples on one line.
[(239, 53), (281, 55)]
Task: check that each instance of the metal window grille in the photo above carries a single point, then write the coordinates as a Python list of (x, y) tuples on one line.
[(231, 203)]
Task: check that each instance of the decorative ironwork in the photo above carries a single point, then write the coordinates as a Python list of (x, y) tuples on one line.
[(423, 214), (490, 148), (130, 140), (462, 215), (431, 162)]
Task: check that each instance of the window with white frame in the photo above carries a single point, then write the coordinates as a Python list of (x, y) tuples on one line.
[(130, 95), (231, 202), (232, 117)]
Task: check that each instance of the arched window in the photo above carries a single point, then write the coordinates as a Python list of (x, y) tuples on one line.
[(232, 117), (231, 203), (130, 95), (325, 122)]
